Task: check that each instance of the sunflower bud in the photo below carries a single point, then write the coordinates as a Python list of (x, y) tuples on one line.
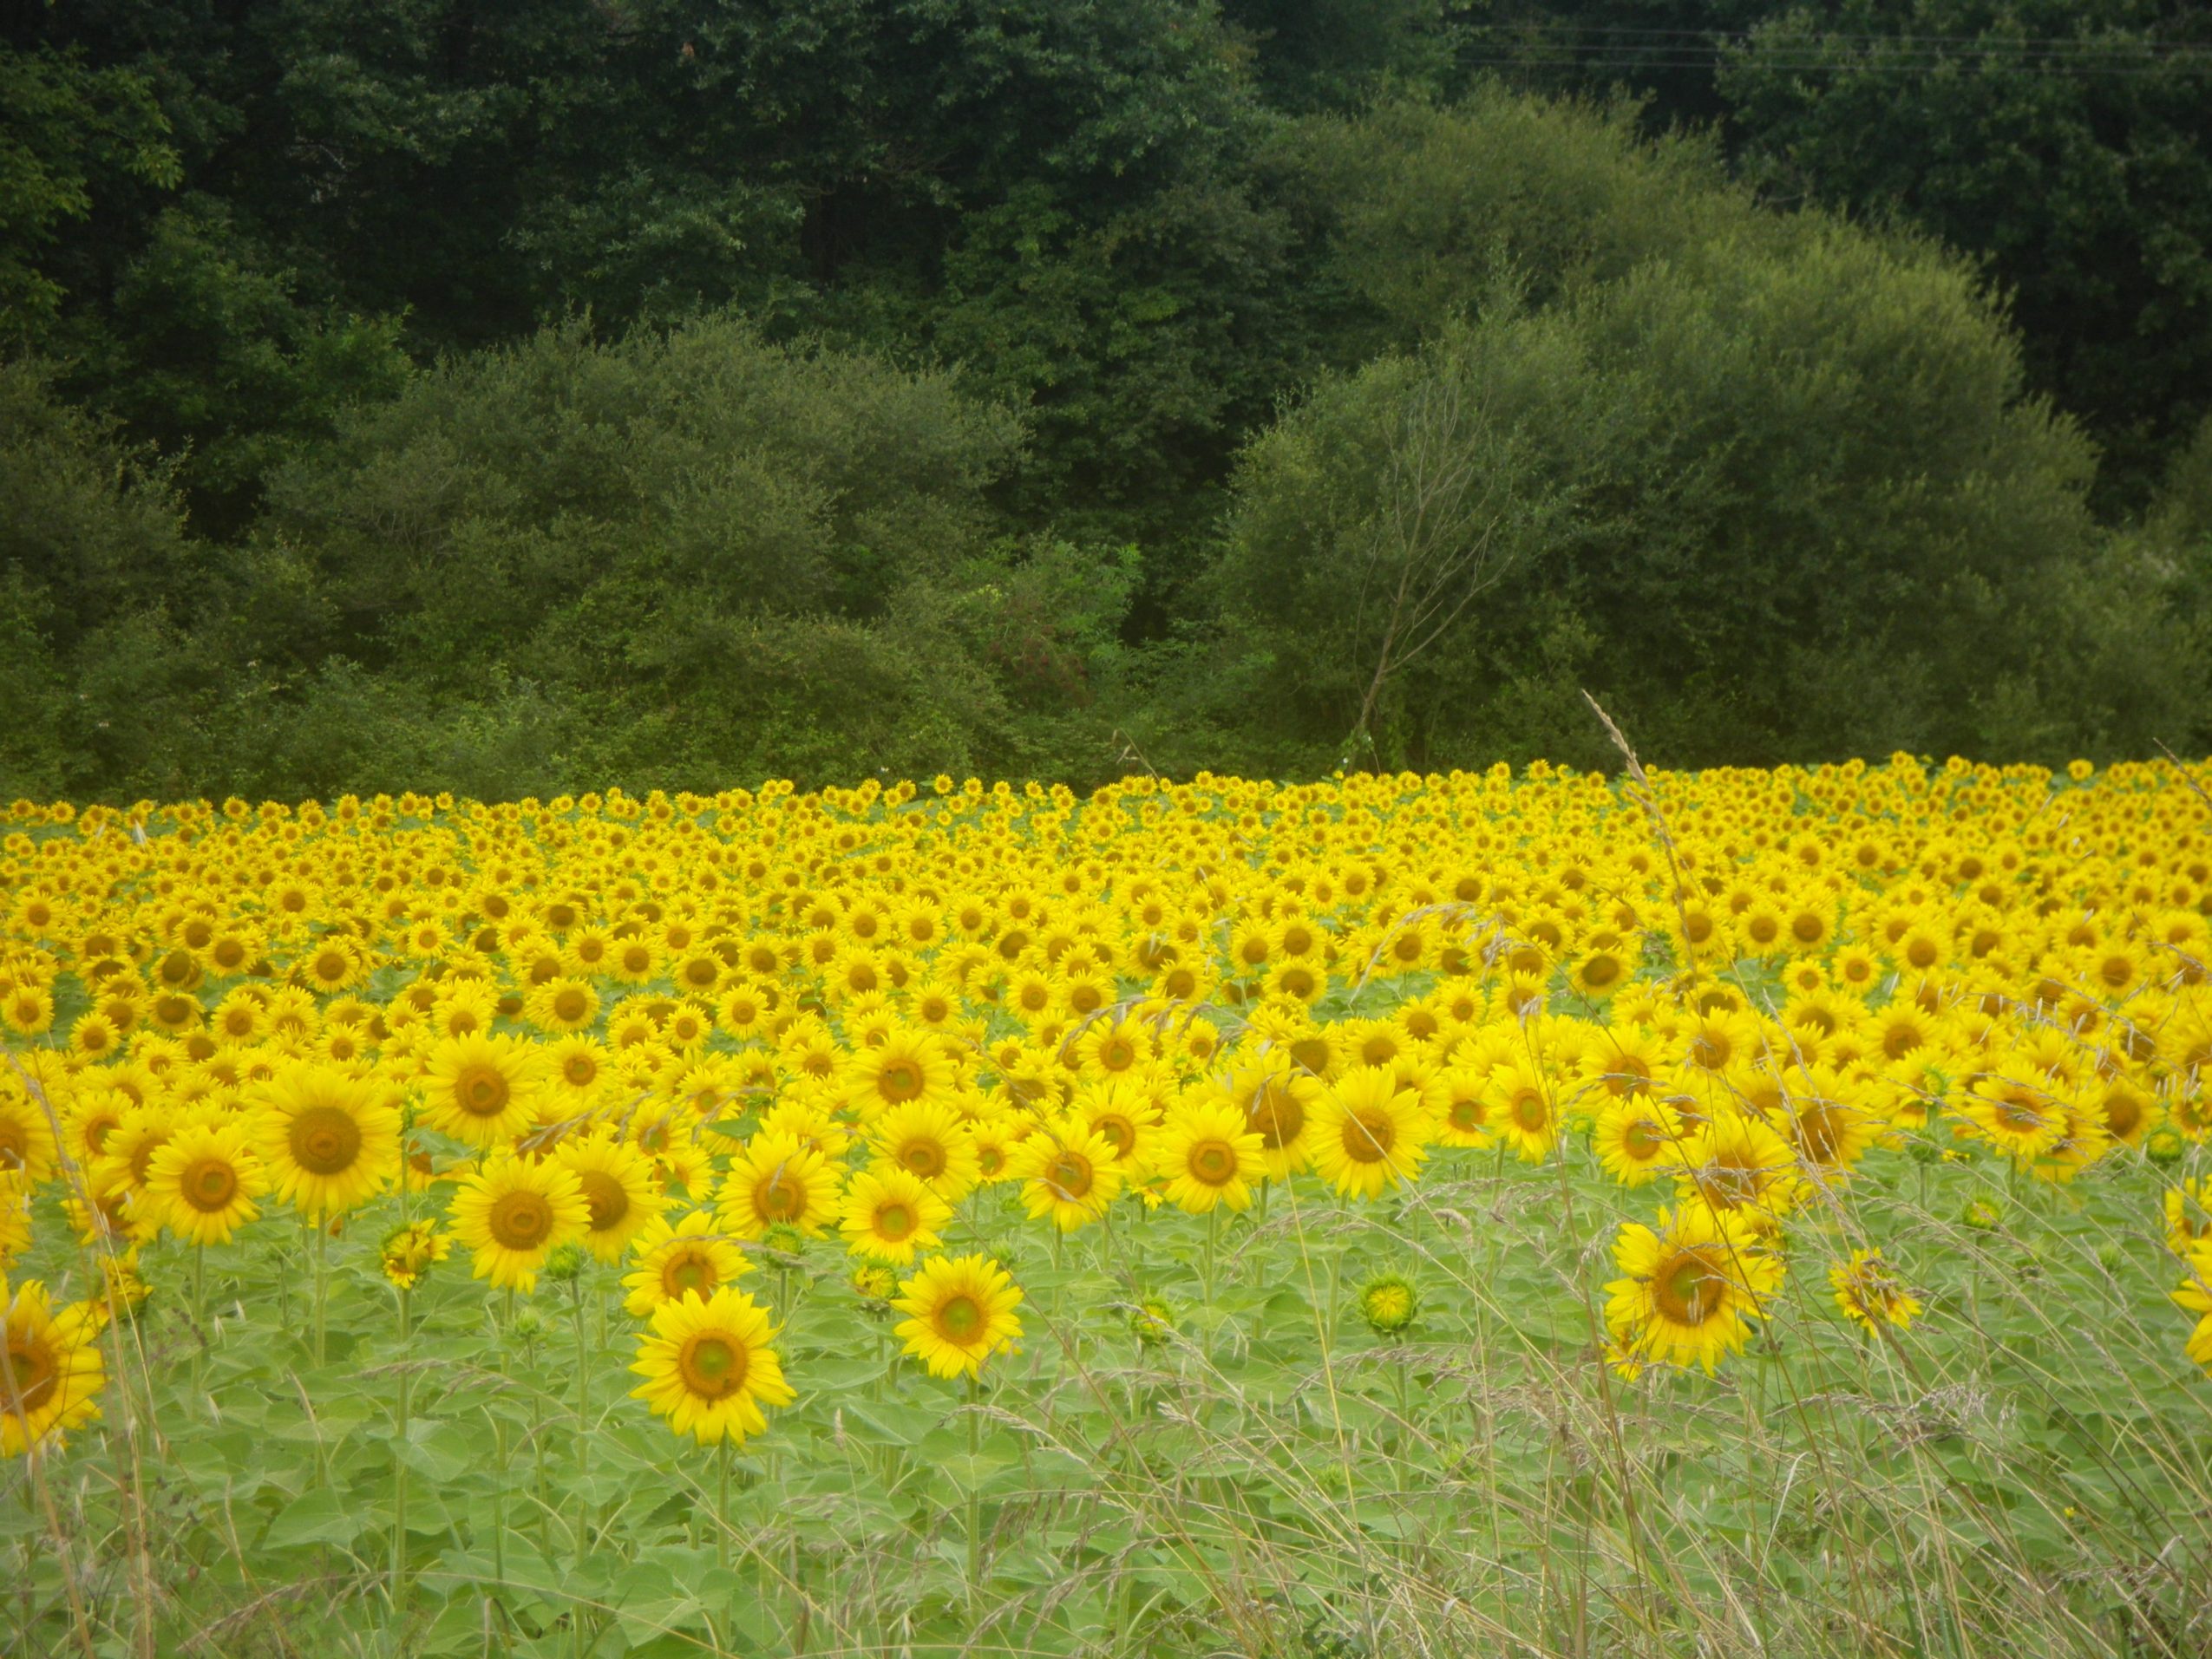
[(1389, 1303)]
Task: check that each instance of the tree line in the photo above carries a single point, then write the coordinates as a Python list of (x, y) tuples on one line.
[(525, 398)]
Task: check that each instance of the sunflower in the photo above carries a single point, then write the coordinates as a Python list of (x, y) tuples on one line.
[(562, 1004), (26, 1139), (50, 1368), (618, 1188), (694, 1257), (1869, 1294), (931, 1141), (1463, 1108), (908, 1068), (512, 1212), (1278, 1098), (708, 1367), (329, 1140), (1633, 1137), (2195, 1296), (409, 1251), (485, 1090), (204, 1179), (888, 1213), (2017, 1118), (959, 1312), (1735, 1165), (1369, 1134), (1125, 1109), (1068, 1171), (1208, 1157), (1691, 1287), (778, 1180), (1521, 1106)]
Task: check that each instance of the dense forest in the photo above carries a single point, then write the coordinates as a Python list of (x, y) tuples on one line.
[(677, 392)]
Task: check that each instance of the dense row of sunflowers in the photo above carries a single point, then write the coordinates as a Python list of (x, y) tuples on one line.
[(683, 1033)]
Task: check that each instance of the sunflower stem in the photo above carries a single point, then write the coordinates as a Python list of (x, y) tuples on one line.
[(975, 1497), (322, 1283), (198, 1317), (582, 1430), (399, 1487), (722, 1512)]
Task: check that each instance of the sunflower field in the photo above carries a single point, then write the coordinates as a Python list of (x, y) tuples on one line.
[(1737, 1212)]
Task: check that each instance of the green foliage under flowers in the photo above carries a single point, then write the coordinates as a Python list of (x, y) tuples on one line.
[(1159, 1473)]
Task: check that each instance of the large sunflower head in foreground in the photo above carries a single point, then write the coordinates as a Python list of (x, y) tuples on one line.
[(329, 1140), (203, 1179), (513, 1212), (1690, 1286), (50, 1368), (1371, 1133), (959, 1312), (484, 1090), (708, 1367)]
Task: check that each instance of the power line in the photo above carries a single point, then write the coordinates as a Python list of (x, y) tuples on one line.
[(1570, 46)]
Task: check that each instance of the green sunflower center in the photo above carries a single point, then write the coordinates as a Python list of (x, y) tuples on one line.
[(1213, 1163), (1689, 1289), (959, 1320), (712, 1366), (688, 1271)]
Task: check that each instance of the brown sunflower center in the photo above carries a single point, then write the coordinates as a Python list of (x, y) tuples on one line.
[(209, 1184), (1689, 1289), (608, 1199), (894, 1221), (15, 1146), (899, 1081), (1275, 1116), (1368, 1135), (712, 1365), (324, 1140), (32, 1376), (482, 1091), (1069, 1175), (570, 1005), (925, 1158), (521, 1220)]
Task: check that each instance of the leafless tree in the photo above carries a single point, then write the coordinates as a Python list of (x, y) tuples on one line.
[(1443, 531)]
